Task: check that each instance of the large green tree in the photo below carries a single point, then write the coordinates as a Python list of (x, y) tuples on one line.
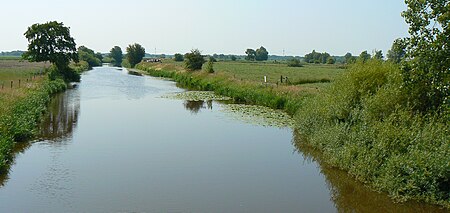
[(262, 54), (116, 54), (251, 55), (397, 52), (194, 60), (364, 56), (52, 42), (88, 55), (427, 68), (135, 54)]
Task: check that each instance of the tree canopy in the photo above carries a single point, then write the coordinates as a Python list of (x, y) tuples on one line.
[(318, 58), (261, 54), (397, 52), (194, 60), (116, 54), (251, 55), (88, 55), (50, 42), (135, 53), (178, 57), (426, 72)]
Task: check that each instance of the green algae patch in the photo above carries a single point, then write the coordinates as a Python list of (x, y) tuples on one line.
[(259, 115), (197, 96)]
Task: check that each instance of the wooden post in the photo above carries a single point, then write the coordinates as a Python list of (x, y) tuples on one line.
[(19, 83), (281, 79), (11, 84)]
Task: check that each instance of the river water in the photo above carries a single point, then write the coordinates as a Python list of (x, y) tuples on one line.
[(113, 144)]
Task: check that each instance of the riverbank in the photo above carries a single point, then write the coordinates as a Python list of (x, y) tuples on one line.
[(18, 123), (25, 91), (375, 139)]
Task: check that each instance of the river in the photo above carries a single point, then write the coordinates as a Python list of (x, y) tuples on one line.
[(113, 144)]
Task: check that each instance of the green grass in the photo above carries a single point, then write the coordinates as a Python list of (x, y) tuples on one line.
[(257, 71), (13, 70)]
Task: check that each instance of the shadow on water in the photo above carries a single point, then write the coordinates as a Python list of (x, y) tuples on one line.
[(57, 124), (195, 106), (349, 195)]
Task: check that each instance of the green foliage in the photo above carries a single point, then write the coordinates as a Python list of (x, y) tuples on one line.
[(99, 56), (178, 57), (378, 55), (294, 62), (20, 123), (211, 58), (426, 72), (116, 54), (317, 58), (397, 52), (51, 42), (126, 63), (251, 55), (135, 53), (364, 56), (261, 54), (331, 60), (364, 125), (233, 58), (79, 67), (349, 58), (194, 60), (88, 55), (210, 65), (107, 59)]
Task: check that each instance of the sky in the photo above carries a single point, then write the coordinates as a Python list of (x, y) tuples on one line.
[(295, 27)]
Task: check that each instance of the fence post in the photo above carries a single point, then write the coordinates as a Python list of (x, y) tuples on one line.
[(11, 84), (19, 83)]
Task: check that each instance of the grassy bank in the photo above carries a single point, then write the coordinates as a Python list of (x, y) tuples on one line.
[(21, 107), (248, 88), (19, 120), (362, 122)]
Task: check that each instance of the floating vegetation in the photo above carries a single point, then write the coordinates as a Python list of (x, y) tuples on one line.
[(197, 96), (259, 115)]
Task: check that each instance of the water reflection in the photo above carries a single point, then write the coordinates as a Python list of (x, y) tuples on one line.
[(195, 106), (349, 195), (57, 125), (62, 116)]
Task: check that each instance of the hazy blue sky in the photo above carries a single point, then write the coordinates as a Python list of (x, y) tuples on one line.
[(227, 26)]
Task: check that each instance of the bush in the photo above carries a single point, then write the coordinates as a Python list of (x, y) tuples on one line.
[(125, 63), (210, 66), (364, 125), (294, 62), (178, 57), (194, 60)]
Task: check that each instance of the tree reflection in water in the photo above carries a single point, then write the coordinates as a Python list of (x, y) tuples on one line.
[(62, 116), (58, 123), (196, 106), (350, 195)]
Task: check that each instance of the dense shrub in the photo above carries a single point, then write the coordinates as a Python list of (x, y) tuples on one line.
[(178, 57), (294, 62), (20, 124), (364, 124), (194, 60)]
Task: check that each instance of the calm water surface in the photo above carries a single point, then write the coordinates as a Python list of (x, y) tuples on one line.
[(113, 145)]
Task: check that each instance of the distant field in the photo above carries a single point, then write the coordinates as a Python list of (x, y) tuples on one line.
[(13, 69), (257, 71), (310, 75)]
